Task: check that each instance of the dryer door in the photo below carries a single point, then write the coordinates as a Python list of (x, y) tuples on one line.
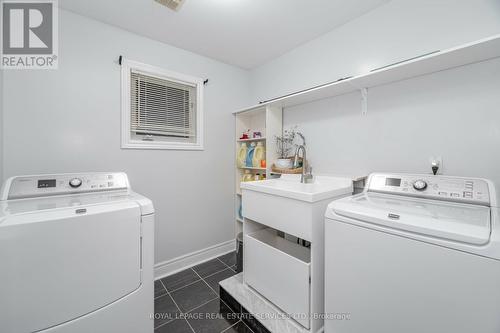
[(58, 265)]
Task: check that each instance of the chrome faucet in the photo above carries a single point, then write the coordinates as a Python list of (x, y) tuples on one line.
[(306, 176)]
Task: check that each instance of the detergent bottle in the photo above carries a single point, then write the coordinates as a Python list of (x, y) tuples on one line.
[(250, 153), (247, 176), (242, 155), (258, 155)]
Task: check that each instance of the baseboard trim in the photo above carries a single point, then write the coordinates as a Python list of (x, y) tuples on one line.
[(178, 264)]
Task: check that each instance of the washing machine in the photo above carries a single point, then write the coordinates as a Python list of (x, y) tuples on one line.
[(76, 255), (414, 253)]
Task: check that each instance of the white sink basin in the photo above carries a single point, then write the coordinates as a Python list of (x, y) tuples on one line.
[(287, 205), (323, 187)]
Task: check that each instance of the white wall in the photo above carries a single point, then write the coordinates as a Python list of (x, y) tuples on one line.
[(396, 31), (68, 120)]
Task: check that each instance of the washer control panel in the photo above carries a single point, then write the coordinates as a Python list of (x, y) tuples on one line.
[(457, 189), (48, 185)]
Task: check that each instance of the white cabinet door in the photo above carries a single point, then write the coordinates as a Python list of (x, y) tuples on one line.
[(274, 269)]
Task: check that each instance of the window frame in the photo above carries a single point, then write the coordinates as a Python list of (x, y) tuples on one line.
[(127, 142)]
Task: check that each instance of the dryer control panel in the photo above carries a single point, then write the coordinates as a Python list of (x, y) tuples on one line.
[(457, 189), (62, 184)]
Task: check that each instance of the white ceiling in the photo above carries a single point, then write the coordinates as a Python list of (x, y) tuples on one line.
[(245, 33)]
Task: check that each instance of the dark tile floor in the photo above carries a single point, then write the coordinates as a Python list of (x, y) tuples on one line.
[(189, 301)]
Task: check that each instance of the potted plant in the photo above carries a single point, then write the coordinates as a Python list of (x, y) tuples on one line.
[(284, 148)]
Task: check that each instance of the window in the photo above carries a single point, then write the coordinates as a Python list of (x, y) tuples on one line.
[(160, 109)]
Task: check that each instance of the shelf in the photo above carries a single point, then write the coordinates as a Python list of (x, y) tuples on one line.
[(252, 168), (478, 51), (252, 139), (269, 122)]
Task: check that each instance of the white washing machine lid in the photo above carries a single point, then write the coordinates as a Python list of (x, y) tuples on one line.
[(457, 222), (28, 194), (42, 204)]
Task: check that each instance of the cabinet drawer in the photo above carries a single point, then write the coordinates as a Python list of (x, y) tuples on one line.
[(295, 217), (280, 271)]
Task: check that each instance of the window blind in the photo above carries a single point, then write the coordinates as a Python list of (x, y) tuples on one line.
[(161, 107)]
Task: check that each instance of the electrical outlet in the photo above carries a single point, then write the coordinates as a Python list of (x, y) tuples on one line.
[(436, 161)]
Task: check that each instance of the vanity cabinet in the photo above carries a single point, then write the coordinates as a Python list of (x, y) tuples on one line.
[(277, 213)]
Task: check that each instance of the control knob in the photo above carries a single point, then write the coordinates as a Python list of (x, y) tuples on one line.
[(75, 182), (420, 185)]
